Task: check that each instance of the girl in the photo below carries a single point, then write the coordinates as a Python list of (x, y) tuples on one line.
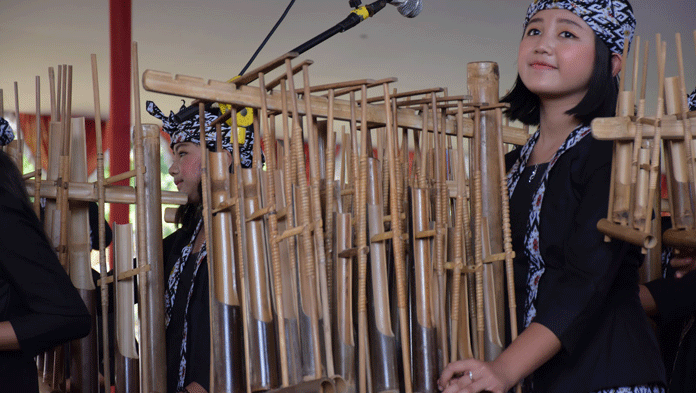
[(583, 329), (39, 306), (186, 269)]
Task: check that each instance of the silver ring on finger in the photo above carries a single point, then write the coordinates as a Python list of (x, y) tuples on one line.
[(471, 376)]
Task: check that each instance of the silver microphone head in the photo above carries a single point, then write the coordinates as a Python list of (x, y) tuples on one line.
[(408, 8)]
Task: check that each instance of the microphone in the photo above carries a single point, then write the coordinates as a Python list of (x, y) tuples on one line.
[(408, 8)]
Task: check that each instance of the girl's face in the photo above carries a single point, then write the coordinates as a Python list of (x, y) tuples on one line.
[(186, 169), (556, 55)]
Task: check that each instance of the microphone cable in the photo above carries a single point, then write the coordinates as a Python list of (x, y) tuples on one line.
[(267, 37), (191, 110)]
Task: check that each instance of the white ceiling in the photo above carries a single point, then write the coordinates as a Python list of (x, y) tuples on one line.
[(213, 39)]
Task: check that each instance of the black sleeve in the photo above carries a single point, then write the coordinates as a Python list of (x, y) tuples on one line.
[(52, 311), (575, 285), (675, 297)]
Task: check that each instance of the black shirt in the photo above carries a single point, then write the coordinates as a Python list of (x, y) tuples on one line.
[(588, 295), (198, 337), (36, 295)]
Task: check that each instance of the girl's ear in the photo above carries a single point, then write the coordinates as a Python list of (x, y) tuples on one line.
[(616, 64)]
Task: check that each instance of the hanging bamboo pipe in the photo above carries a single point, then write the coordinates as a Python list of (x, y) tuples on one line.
[(241, 245), (101, 216), (307, 267), (317, 222), (397, 243), (269, 145), (290, 302), (37, 154)]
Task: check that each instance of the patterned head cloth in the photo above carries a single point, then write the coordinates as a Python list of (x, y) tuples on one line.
[(611, 20), (190, 131), (692, 101), (6, 133)]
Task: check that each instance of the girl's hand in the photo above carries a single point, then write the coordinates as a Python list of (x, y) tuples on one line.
[(684, 263), (470, 376)]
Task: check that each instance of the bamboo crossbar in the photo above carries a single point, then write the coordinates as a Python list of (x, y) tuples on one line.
[(187, 86)]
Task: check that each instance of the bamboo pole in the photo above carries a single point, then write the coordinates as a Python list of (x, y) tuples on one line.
[(37, 155), (102, 227), (317, 222), (270, 148), (397, 243), (307, 268), (241, 244)]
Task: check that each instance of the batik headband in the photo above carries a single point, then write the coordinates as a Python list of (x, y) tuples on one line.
[(190, 130), (611, 20), (6, 133), (692, 101)]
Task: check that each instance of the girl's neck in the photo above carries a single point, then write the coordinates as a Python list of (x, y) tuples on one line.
[(554, 127)]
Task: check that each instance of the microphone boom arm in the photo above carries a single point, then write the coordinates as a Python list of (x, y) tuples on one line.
[(355, 17)]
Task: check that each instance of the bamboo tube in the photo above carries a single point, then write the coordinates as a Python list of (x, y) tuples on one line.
[(383, 346), (655, 158), (83, 351), (315, 189), (330, 185), (262, 327), (483, 86), (459, 244), (59, 93), (507, 234), (270, 148), (398, 247), (342, 321), (637, 221), (440, 236), (354, 157), (63, 181), (149, 232), (241, 245), (60, 219), (51, 217), (478, 234), (307, 267), (677, 154), (52, 93), (424, 335), (37, 155), (127, 363), (290, 302), (208, 244), (360, 208), (104, 292)]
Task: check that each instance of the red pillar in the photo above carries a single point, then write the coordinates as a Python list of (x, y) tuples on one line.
[(118, 136)]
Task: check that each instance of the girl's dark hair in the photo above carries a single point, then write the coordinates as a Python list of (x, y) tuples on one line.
[(189, 214), (600, 100), (11, 180)]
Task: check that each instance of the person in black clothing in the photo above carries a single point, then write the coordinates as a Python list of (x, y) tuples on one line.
[(39, 306), (582, 326), (185, 263), (671, 302)]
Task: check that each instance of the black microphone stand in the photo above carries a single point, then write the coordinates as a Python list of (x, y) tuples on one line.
[(351, 20)]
